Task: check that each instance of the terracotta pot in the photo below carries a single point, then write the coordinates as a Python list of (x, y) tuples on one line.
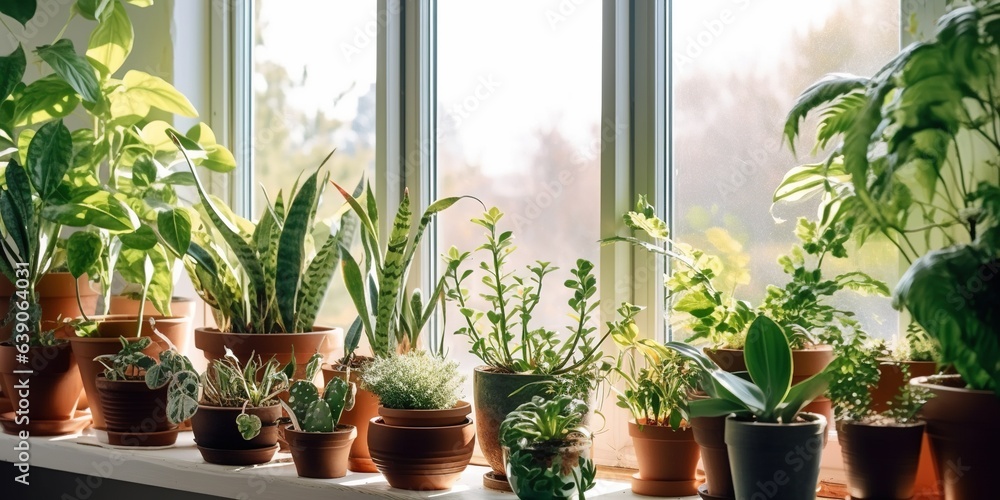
[(366, 407), (494, 399), (106, 341), (327, 341), (958, 423), (215, 430), (426, 418), (180, 307), (891, 380), (658, 477), (56, 296), (524, 464), (710, 434), (776, 461), (131, 406), (54, 387), (421, 458), (881, 460), (321, 455)]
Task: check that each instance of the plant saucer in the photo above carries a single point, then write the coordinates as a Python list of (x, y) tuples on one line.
[(78, 422)]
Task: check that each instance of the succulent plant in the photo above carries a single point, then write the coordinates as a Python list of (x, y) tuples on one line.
[(311, 412)]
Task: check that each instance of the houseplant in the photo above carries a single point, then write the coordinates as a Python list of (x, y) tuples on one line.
[(517, 354), (390, 316), (423, 438), (766, 424), (658, 384), (919, 167), (236, 422), (134, 390), (547, 450), (319, 443)]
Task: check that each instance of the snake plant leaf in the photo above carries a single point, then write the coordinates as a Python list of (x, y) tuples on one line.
[(353, 338), (366, 222), (319, 274), (61, 56), (11, 71), (393, 275), (354, 281), (292, 251), (769, 361)]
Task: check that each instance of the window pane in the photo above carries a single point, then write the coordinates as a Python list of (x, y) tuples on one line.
[(737, 68), (314, 91)]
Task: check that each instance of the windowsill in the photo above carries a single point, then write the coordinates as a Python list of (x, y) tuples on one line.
[(181, 468)]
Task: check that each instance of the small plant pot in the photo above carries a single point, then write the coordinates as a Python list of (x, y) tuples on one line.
[(881, 460), (321, 455), (548, 472), (55, 385), (365, 409), (673, 477), (219, 439), (710, 434), (421, 458), (776, 461), (426, 418), (130, 406)]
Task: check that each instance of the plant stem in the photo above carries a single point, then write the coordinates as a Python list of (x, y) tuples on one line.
[(72, 14)]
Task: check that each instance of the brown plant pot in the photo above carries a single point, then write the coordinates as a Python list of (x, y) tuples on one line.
[(180, 307), (321, 455), (426, 418), (327, 341), (54, 384), (421, 458), (881, 460), (56, 296), (958, 423), (658, 475), (710, 434), (215, 430), (106, 341), (131, 406), (891, 380), (366, 407)]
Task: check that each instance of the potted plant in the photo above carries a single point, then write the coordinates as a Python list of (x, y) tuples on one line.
[(919, 168), (236, 422), (547, 449), (423, 438), (657, 396), (319, 443), (881, 450), (134, 390), (914, 354), (390, 316), (518, 356), (774, 447)]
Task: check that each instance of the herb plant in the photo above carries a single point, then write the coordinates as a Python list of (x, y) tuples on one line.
[(312, 412), (414, 381), (509, 341), (257, 383)]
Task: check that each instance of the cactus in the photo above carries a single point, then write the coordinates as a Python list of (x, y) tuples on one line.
[(318, 418), (336, 397), (301, 395), (310, 413)]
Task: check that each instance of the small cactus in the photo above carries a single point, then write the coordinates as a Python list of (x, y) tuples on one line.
[(318, 418), (301, 395), (314, 414), (336, 396)]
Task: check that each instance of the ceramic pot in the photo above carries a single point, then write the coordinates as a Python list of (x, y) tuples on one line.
[(421, 458), (547, 472), (215, 431), (710, 434), (180, 307), (54, 386), (426, 418), (131, 406), (776, 461), (327, 341), (667, 460), (56, 296), (321, 455), (366, 407), (881, 460)]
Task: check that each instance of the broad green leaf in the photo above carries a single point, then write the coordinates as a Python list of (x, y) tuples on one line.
[(291, 250), (823, 91), (83, 248), (140, 3), (218, 159), (92, 9), (248, 425), (714, 408), (143, 238), (49, 157), (20, 10), (769, 360), (14, 222), (111, 41), (19, 188), (11, 71), (319, 275), (44, 99), (71, 67), (156, 92), (93, 208), (175, 229), (802, 394)]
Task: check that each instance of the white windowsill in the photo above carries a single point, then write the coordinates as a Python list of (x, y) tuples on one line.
[(182, 468)]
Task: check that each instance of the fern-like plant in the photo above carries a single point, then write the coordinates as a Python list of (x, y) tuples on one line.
[(414, 381)]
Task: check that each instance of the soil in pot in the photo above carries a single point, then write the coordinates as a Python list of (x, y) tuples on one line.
[(130, 406), (327, 341), (55, 384), (321, 455), (220, 441), (426, 418), (776, 461), (958, 425), (549, 471), (881, 460), (710, 434), (659, 475), (365, 409), (421, 458)]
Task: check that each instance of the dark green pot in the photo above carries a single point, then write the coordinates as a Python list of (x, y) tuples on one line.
[(493, 401), (776, 461)]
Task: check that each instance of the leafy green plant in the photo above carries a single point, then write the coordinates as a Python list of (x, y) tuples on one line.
[(390, 315), (545, 445), (312, 412), (255, 384), (658, 381), (509, 342), (916, 345), (414, 381), (266, 277), (769, 395)]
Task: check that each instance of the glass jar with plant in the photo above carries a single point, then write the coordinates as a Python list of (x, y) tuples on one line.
[(423, 439), (518, 355), (547, 449)]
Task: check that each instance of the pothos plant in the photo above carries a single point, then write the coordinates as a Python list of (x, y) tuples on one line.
[(255, 384), (125, 167), (507, 340)]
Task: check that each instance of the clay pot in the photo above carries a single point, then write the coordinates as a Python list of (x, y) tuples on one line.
[(776, 461), (426, 418), (180, 307), (523, 465), (881, 460), (215, 431), (106, 341), (131, 406), (321, 455), (56, 296), (659, 475), (54, 386), (366, 407), (891, 380), (964, 449), (421, 458), (327, 341), (710, 434)]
